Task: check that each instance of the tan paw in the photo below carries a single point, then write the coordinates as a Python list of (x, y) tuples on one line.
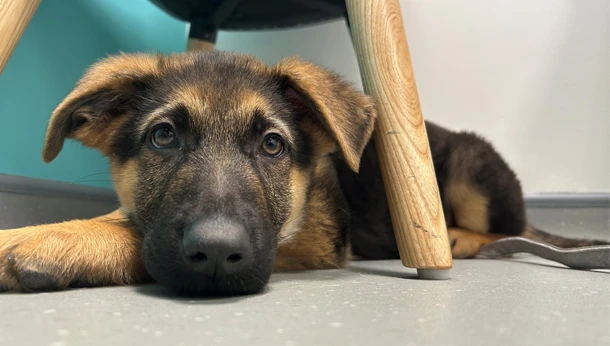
[(75, 253), (22, 263), (466, 244)]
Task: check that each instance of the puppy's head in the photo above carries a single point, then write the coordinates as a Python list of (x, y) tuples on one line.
[(212, 154)]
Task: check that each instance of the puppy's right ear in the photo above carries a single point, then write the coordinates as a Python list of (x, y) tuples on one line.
[(346, 114), (106, 92)]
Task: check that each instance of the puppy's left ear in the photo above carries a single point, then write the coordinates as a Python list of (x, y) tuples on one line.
[(91, 111), (346, 114)]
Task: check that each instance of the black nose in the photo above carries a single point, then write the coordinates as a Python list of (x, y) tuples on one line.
[(216, 246)]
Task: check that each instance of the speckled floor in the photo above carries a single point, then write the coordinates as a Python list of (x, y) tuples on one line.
[(520, 301)]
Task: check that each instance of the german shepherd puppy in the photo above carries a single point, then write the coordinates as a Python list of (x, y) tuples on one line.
[(227, 169)]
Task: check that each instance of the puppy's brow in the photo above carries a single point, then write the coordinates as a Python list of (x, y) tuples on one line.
[(262, 122), (259, 122), (250, 101), (176, 113), (192, 97)]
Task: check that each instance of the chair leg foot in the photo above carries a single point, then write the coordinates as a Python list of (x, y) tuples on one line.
[(434, 274)]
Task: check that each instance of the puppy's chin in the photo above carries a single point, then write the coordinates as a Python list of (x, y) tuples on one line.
[(168, 269), (194, 284)]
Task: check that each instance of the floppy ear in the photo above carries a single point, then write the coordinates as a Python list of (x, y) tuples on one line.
[(89, 112), (345, 113)]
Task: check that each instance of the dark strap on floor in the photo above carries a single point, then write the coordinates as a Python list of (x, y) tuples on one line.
[(589, 257)]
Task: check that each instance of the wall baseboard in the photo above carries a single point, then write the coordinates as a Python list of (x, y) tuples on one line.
[(568, 200), (58, 189), (28, 201)]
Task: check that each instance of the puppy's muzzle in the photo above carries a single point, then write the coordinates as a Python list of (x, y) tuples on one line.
[(216, 246)]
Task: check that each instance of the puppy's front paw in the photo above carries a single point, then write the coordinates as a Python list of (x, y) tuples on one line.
[(466, 244), (25, 264), (75, 253)]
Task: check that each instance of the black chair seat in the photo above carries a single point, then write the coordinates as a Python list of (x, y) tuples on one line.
[(253, 14), (208, 16)]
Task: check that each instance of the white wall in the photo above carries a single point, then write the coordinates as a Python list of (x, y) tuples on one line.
[(531, 76)]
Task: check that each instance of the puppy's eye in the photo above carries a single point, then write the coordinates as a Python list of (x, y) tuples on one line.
[(163, 137), (273, 145)]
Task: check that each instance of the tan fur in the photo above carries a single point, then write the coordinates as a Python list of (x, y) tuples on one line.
[(250, 101), (103, 71), (466, 244), (329, 95), (192, 97), (468, 205), (313, 246), (124, 177), (101, 251), (299, 183)]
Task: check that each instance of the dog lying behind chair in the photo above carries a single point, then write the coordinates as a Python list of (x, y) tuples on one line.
[(227, 169)]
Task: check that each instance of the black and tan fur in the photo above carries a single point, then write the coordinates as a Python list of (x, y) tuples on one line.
[(305, 209)]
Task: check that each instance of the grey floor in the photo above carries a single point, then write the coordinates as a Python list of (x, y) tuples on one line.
[(520, 301)]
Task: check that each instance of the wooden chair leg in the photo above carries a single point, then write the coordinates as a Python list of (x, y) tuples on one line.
[(197, 44), (400, 137), (15, 15), (201, 36)]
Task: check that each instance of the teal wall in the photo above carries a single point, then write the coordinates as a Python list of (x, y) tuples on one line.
[(62, 40)]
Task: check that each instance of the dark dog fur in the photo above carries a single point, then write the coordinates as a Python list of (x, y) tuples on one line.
[(222, 137)]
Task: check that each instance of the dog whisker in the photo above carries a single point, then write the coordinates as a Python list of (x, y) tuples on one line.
[(87, 176), (92, 181), (287, 237)]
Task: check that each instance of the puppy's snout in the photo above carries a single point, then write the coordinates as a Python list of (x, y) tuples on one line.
[(216, 246)]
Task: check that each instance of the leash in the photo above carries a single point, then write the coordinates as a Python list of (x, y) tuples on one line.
[(588, 257)]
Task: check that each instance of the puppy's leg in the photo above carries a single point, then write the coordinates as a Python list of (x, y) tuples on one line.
[(100, 251), (483, 196), (466, 244)]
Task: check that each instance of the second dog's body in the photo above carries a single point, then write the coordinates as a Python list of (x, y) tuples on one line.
[(227, 169), (481, 196)]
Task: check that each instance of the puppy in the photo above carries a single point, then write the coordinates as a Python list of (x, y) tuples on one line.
[(227, 169)]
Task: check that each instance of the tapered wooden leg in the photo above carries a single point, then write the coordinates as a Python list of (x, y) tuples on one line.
[(15, 15), (202, 35), (197, 44), (400, 136)]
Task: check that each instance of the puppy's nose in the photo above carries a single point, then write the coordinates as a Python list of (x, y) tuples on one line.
[(216, 246)]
